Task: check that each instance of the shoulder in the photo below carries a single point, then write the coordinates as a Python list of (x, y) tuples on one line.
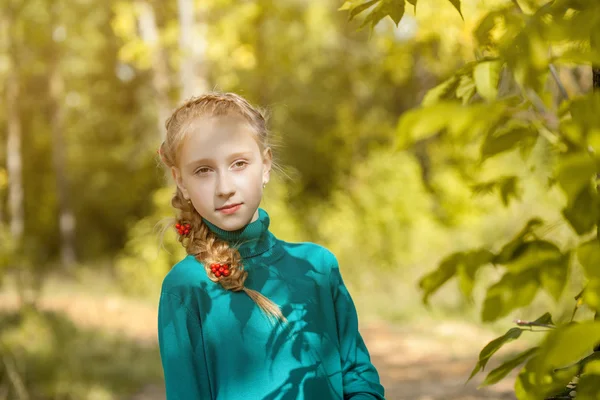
[(187, 276), (318, 255)]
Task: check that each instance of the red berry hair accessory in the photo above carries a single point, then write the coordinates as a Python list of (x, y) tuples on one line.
[(183, 228), (220, 269)]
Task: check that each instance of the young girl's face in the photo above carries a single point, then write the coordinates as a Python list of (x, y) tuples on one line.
[(221, 165)]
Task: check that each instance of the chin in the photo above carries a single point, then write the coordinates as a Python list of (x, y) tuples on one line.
[(233, 222)]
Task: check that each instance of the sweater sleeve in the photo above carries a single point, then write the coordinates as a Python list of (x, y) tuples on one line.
[(360, 378), (181, 351)]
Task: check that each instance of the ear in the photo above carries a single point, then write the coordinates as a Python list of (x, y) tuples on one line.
[(267, 164), (179, 181)]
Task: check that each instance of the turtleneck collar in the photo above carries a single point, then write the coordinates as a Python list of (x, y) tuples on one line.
[(251, 240)]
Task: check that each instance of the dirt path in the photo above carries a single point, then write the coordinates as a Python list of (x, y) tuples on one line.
[(430, 361)]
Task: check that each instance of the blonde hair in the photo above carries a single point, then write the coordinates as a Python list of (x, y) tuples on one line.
[(201, 242)]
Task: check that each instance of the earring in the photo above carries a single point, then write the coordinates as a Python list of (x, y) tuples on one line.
[(264, 184)]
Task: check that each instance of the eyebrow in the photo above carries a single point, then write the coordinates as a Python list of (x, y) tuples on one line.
[(231, 156)]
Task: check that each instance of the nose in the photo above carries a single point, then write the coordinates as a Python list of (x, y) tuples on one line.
[(225, 185)]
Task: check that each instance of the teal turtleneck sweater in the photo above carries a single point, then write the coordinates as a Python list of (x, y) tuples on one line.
[(218, 345)]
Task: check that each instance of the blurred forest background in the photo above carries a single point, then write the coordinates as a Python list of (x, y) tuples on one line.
[(86, 87)]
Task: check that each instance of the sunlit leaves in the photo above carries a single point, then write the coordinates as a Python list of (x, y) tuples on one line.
[(588, 387), (456, 4), (506, 367), (508, 187), (557, 360), (465, 263), (588, 255), (492, 347), (460, 122), (514, 134), (574, 174), (482, 77), (356, 7), (444, 90), (512, 291), (527, 387), (393, 8), (510, 250), (487, 75), (581, 125), (381, 9)]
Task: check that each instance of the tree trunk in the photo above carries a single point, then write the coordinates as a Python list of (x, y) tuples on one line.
[(65, 213), (13, 142), (160, 79), (192, 49)]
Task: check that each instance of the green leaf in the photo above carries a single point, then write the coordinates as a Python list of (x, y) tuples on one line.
[(440, 91), (508, 189), (492, 347), (467, 262), (553, 277), (582, 212), (483, 32), (591, 294), (574, 173), (545, 257), (460, 122), (424, 122), (506, 138), (545, 319), (487, 75), (510, 249), (456, 4), (527, 144), (588, 255), (588, 387), (413, 3), (356, 8), (535, 254), (512, 291), (584, 111), (346, 6), (393, 8), (527, 388), (565, 346), (467, 269), (465, 89), (434, 280), (500, 372), (507, 185)]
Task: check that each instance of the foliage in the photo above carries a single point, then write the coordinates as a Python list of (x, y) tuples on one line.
[(505, 102), (44, 355)]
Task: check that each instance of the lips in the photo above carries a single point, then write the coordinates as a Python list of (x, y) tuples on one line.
[(229, 206)]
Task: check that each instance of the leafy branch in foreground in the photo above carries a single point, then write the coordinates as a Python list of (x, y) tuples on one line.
[(510, 99)]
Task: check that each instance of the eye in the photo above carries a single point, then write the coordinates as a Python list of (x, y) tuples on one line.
[(239, 164), (202, 170)]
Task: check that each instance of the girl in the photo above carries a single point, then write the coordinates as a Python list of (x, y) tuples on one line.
[(215, 342)]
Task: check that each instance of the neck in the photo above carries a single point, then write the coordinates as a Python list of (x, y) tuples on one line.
[(251, 240)]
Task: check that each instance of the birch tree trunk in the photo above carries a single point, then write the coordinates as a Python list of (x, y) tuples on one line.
[(13, 143), (192, 50), (56, 85), (160, 80)]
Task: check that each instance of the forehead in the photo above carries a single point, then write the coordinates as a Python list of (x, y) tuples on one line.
[(213, 136)]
